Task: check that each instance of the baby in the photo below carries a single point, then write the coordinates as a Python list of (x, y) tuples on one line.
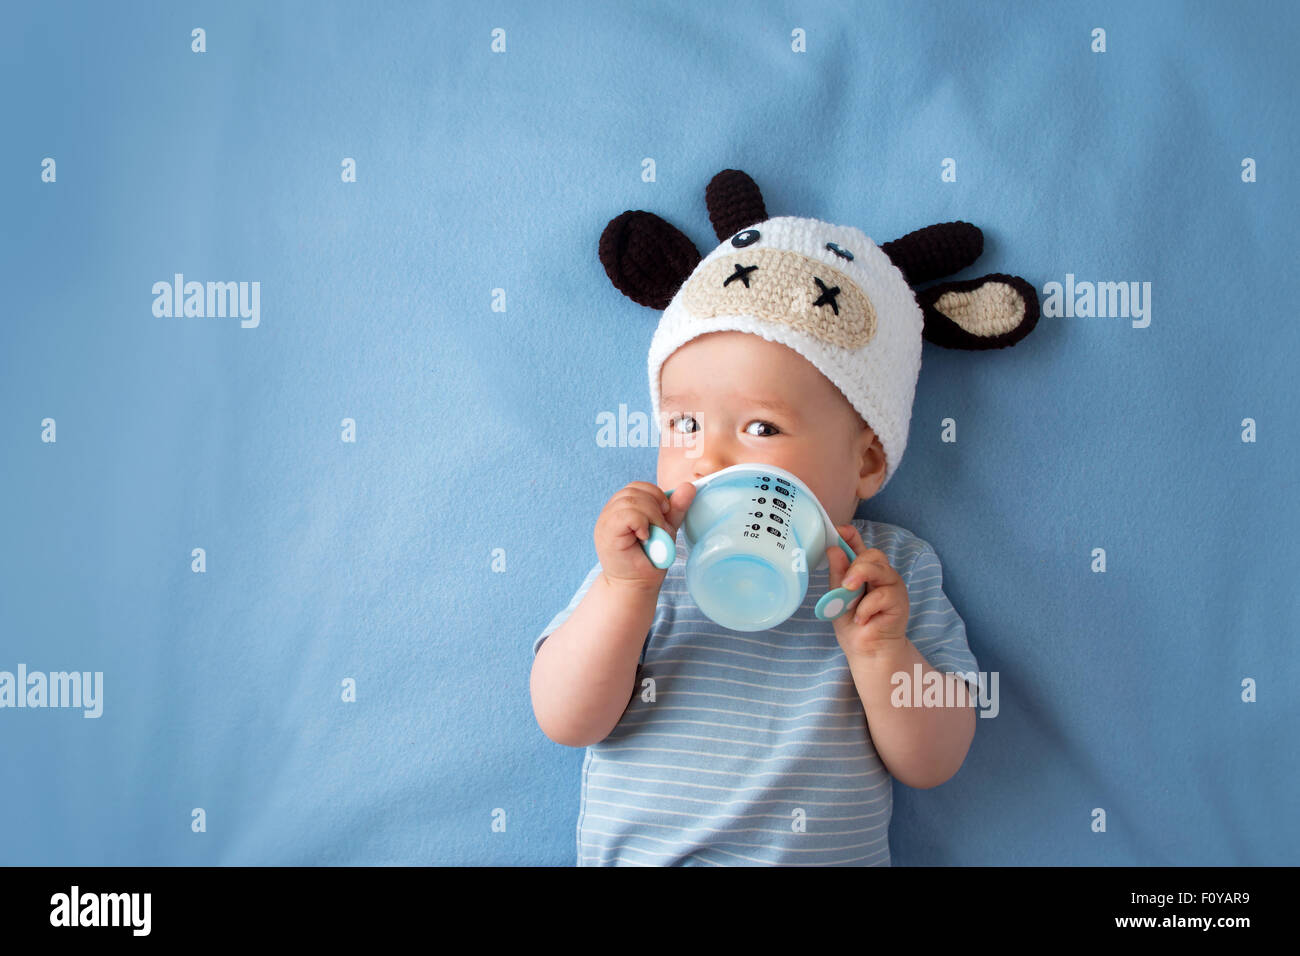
[(707, 746)]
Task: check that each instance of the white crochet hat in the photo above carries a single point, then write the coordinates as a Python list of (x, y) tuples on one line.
[(828, 292), (825, 291)]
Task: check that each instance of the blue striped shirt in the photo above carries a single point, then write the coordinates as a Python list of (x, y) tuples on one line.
[(755, 749)]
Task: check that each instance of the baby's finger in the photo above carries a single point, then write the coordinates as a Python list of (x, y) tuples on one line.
[(679, 502), (654, 491), (872, 567), (635, 518), (839, 563), (849, 533)]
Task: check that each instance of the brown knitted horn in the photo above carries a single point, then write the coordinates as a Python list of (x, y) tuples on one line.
[(646, 257), (935, 251), (734, 202)]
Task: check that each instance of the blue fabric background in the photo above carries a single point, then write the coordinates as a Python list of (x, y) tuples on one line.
[(476, 429)]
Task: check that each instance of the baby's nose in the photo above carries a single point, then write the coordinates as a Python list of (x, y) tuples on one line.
[(712, 449), (708, 462)]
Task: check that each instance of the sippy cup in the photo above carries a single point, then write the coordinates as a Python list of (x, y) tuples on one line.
[(754, 532)]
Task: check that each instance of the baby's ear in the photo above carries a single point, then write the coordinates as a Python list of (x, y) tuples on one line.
[(646, 258), (990, 312)]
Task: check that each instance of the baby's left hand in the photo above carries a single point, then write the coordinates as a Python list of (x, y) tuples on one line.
[(880, 615)]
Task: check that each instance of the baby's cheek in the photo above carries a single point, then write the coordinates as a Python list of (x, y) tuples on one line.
[(669, 467), (677, 451)]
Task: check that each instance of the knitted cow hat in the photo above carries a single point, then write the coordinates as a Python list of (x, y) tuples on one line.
[(828, 292)]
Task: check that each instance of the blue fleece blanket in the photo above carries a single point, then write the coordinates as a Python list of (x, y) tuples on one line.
[(296, 530)]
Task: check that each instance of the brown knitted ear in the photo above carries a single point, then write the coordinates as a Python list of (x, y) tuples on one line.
[(646, 258), (734, 202), (935, 251), (990, 312)]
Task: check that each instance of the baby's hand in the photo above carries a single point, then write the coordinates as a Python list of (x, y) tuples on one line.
[(624, 525), (879, 616)]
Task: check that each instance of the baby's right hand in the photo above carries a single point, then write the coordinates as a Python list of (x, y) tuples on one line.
[(624, 526)]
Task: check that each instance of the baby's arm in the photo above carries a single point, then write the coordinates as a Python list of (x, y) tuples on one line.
[(921, 746), (584, 672)]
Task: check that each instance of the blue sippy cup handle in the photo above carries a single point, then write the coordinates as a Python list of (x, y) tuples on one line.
[(659, 547), (837, 600)]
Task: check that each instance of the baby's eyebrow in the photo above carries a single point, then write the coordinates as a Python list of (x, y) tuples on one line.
[(774, 404)]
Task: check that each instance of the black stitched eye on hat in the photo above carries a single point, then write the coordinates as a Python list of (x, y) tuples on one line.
[(842, 253), (746, 238)]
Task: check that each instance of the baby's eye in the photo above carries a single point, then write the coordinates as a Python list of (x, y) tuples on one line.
[(775, 430), (681, 418)]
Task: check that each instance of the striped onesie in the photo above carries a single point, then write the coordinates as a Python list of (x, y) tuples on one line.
[(755, 748)]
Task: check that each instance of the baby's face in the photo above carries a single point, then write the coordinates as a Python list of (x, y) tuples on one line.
[(712, 416)]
